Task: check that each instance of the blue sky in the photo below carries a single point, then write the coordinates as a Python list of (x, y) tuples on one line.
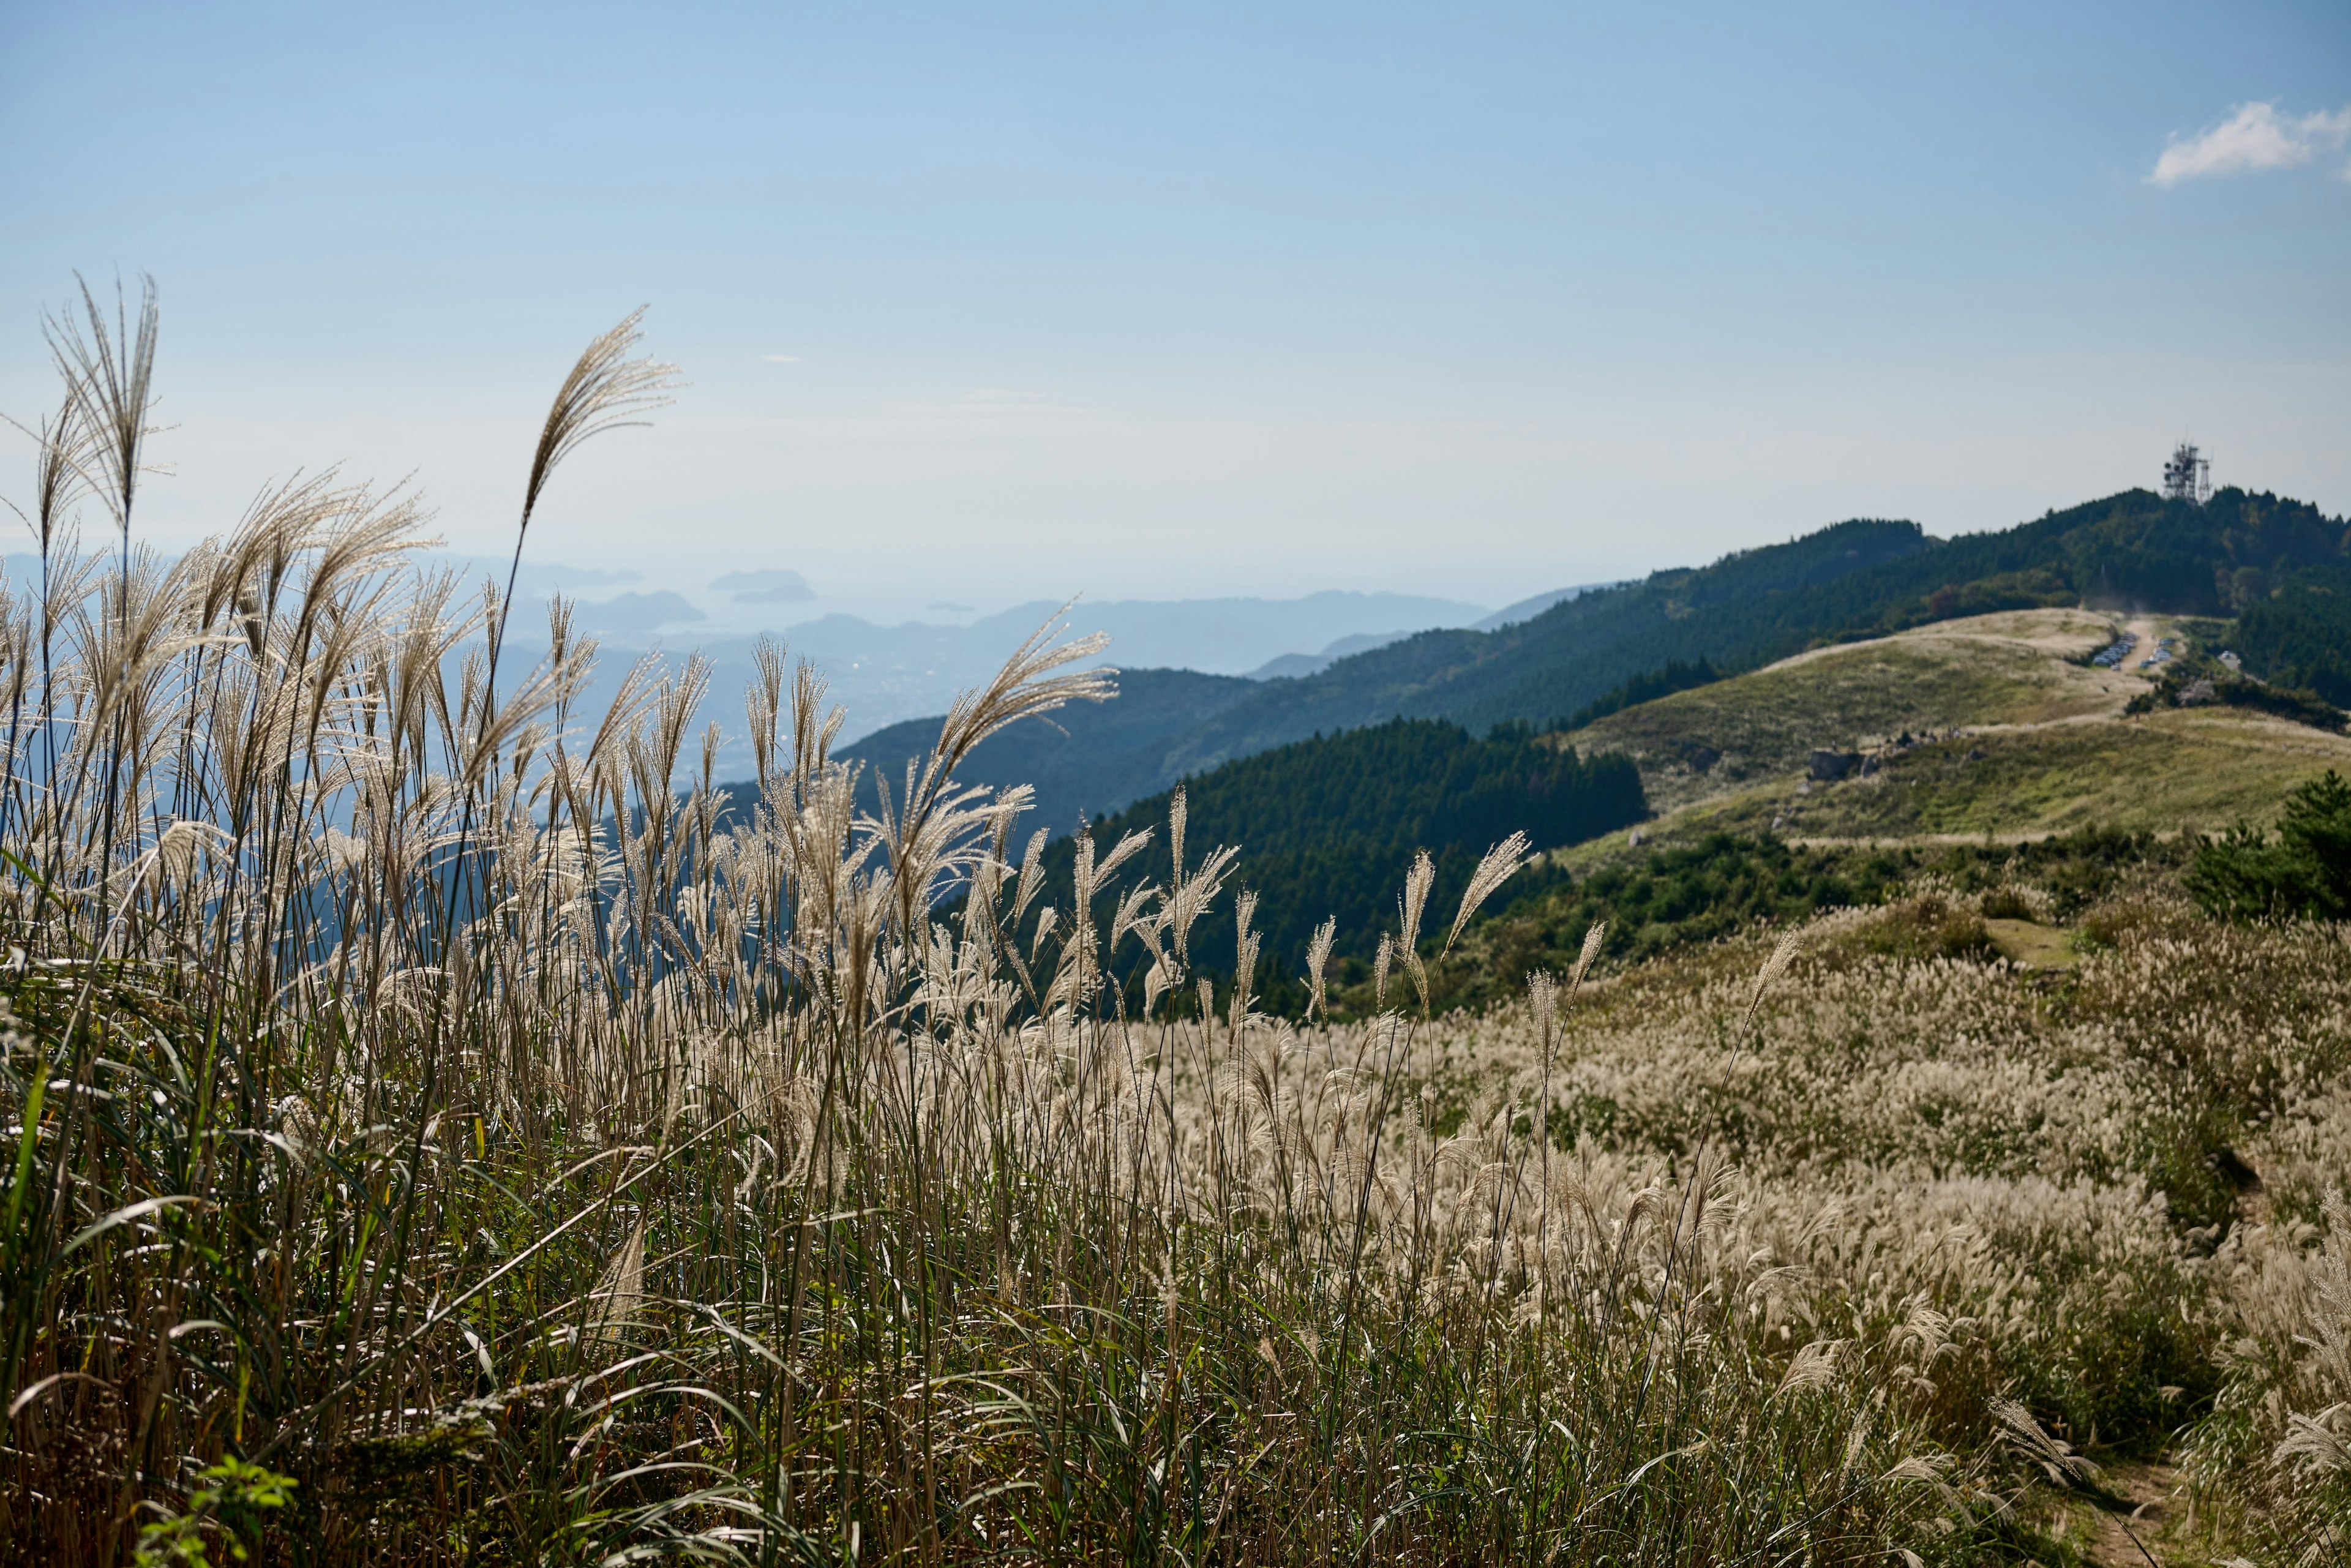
[(991, 303)]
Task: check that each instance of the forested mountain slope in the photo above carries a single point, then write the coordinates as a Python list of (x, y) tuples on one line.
[(2301, 634), (1327, 827)]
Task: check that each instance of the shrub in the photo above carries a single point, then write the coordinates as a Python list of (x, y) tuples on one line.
[(1928, 925), (2007, 902), (2305, 871)]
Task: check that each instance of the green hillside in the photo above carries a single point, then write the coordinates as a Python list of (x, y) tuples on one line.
[(2283, 564), (1996, 750), (2300, 634), (1996, 753), (1856, 579)]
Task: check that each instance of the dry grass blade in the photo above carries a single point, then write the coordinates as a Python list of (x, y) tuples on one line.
[(605, 391), (1178, 814), (1542, 1005), (1593, 938), (1783, 953), (1318, 965), (109, 374), (1414, 899), (1814, 1366), (1025, 686), (1497, 866), (2018, 1427), (64, 449), (620, 1294)]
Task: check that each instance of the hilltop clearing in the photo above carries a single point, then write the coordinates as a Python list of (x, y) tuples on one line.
[(2015, 667), (1965, 757), (1994, 725)]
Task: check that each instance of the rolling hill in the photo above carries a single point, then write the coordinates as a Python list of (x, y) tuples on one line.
[(1992, 743), (1850, 582), (1995, 750)]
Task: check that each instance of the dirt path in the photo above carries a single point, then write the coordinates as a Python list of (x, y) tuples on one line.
[(2149, 629), (2115, 1539)]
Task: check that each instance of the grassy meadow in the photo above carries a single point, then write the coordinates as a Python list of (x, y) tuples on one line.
[(2015, 736), (438, 1131), (2000, 669)]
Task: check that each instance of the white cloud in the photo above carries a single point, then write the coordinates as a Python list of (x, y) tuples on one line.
[(2253, 137), (783, 358)]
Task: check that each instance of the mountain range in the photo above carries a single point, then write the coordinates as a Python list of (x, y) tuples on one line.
[(884, 674)]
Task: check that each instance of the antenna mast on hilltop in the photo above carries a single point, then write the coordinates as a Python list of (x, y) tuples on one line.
[(2188, 475)]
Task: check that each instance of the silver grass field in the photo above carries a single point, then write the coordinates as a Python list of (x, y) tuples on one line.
[(433, 1131)]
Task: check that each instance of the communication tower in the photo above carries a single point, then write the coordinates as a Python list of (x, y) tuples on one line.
[(2188, 475)]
